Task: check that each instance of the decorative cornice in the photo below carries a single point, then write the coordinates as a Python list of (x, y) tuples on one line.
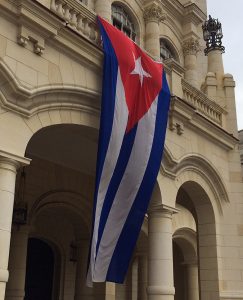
[(171, 64), (154, 13), (190, 46), (192, 13), (15, 159)]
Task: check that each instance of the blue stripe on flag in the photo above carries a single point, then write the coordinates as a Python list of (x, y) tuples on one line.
[(127, 240), (117, 176), (110, 70)]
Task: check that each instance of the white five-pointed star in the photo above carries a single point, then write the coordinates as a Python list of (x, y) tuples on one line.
[(138, 70)]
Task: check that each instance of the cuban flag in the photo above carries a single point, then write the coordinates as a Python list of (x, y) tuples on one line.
[(135, 103)]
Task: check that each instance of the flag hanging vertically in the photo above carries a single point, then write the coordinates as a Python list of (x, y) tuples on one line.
[(135, 103)]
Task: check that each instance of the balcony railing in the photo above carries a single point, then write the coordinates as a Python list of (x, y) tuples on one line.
[(202, 103), (77, 16)]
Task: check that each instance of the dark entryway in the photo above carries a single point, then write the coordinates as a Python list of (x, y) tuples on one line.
[(39, 271)]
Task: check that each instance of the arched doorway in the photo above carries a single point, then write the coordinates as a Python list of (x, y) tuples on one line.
[(195, 198), (39, 271)]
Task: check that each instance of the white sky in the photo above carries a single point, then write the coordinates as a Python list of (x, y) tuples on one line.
[(230, 15)]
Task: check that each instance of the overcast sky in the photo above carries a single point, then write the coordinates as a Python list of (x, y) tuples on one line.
[(230, 15)]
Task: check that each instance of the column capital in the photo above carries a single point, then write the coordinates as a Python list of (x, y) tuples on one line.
[(162, 209), (154, 13), (14, 160), (191, 46)]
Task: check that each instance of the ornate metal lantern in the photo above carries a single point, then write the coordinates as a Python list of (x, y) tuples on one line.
[(20, 207), (212, 34)]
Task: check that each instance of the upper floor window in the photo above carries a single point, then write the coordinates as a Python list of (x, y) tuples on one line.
[(165, 50), (122, 21)]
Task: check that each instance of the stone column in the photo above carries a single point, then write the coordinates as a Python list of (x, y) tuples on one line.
[(82, 292), (160, 256), (8, 169), (192, 280), (103, 9), (190, 50), (215, 65), (17, 263), (153, 15), (142, 276)]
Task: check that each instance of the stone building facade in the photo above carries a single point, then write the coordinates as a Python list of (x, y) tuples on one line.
[(191, 243)]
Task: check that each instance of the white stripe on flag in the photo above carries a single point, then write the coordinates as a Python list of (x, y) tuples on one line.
[(117, 134), (126, 192)]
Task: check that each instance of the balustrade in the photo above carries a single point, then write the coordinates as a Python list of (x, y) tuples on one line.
[(78, 17)]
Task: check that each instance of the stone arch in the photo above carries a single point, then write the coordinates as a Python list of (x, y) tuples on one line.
[(183, 219), (194, 193), (185, 257), (68, 199), (187, 240), (171, 46), (199, 169)]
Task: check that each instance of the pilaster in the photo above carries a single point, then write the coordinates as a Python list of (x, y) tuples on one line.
[(190, 49), (103, 9), (153, 15)]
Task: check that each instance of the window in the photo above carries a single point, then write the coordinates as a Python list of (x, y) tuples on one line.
[(122, 21), (165, 50)]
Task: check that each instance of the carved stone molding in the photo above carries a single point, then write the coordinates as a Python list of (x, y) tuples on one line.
[(191, 47), (154, 13)]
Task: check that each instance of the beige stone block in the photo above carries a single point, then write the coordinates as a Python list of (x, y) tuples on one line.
[(27, 57), (235, 176), (66, 70), (8, 29), (208, 275), (44, 118), (207, 240), (6, 203), (42, 79), (3, 46), (233, 275), (55, 116), (208, 251), (90, 120), (51, 54), (14, 133), (209, 285), (54, 74), (227, 252), (65, 116), (75, 117), (7, 177), (11, 63), (4, 249), (26, 74), (94, 80), (231, 240), (208, 263), (79, 74), (240, 229), (2, 110), (33, 123)]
